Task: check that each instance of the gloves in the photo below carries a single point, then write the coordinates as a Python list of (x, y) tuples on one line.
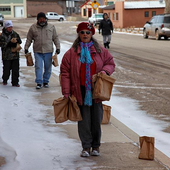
[(66, 96), (26, 51), (103, 72), (58, 51)]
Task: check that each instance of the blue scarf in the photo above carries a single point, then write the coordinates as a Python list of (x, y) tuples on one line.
[(85, 57)]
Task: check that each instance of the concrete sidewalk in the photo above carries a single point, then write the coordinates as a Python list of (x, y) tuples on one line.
[(120, 145)]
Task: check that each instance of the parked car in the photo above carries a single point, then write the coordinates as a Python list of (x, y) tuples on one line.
[(158, 26), (1, 20), (96, 18), (54, 15)]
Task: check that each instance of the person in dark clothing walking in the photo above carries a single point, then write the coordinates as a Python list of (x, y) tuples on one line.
[(9, 43), (106, 26)]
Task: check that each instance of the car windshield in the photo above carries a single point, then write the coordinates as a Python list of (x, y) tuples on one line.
[(167, 19)]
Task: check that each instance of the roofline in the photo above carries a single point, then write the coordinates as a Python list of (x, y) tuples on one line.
[(84, 3)]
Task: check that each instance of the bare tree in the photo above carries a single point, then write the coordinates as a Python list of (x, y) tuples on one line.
[(167, 6)]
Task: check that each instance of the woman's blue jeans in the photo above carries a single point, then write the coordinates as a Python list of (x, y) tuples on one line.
[(43, 60)]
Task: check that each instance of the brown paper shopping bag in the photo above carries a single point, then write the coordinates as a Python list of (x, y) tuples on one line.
[(102, 85), (29, 59), (61, 109), (146, 147), (55, 60), (106, 114), (74, 110)]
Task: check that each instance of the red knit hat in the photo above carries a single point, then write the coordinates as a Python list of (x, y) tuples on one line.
[(86, 26)]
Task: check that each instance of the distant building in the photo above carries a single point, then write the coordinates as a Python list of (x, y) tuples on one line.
[(87, 10), (30, 8), (67, 7), (133, 13), (13, 8)]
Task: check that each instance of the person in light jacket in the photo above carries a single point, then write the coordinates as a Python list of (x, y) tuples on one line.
[(84, 59), (43, 35)]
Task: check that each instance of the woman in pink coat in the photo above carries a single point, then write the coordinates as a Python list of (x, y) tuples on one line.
[(84, 59)]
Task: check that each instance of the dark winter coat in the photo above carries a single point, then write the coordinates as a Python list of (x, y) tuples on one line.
[(6, 44), (106, 26), (70, 69)]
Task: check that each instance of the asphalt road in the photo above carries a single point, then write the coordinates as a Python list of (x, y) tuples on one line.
[(142, 66)]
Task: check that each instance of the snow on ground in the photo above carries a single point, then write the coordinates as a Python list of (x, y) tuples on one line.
[(27, 144)]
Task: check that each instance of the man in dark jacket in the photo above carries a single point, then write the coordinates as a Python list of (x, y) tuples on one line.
[(9, 42), (106, 26)]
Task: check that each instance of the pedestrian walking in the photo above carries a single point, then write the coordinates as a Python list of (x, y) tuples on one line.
[(43, 35), (84, 59), (106, 27), (10, 56)]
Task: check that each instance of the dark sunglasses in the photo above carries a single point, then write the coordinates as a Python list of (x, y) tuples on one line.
[(87, 32)]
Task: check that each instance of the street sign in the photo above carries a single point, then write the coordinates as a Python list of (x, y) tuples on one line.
[(95, 4)]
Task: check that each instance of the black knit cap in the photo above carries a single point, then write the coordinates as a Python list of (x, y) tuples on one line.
[(41, 14)]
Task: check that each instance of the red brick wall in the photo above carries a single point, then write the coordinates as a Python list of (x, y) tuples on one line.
[(131, 17), (34, 7), (136, 17)]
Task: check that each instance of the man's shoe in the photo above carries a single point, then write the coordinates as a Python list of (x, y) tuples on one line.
[(85, 152), (16, 85), (46, 85), (95, 152), (105, 45), (39, 86)]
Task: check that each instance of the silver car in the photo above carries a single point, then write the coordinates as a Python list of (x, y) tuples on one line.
[(158, 26), (1, 20)]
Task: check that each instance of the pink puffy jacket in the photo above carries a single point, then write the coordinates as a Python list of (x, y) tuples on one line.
[(70, 70)]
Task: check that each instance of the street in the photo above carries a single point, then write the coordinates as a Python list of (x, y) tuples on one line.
[(142, 66)]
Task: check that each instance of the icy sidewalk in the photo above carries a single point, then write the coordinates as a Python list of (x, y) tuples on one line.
[(34, 141), (119, 149)]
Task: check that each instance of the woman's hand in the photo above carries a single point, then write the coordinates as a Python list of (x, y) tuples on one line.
[(103, 72), (66, 96)]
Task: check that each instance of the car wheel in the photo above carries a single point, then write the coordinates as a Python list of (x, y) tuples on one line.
[(165, 37), (145, 34), (158, 37), (61, 19)]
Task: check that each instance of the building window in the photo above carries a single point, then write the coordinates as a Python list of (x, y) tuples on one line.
[(109, 14), (117, 16), (153, 13), (146, 13), (84, 12), (5, 9), (113, 16)]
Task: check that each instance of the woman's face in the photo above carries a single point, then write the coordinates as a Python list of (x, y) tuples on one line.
[(9, 29), (85, 36)]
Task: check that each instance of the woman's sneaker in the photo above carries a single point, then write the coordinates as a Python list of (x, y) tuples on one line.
[(4, 83), (16, 85), (95, 152), (39, 86), (85, 152)]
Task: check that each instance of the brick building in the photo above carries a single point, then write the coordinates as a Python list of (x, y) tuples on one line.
[(133, 13)]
